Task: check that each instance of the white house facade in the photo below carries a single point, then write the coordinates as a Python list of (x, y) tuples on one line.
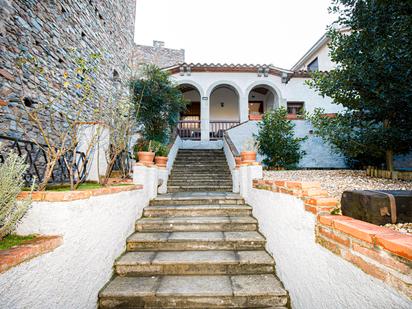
[(233, 97)]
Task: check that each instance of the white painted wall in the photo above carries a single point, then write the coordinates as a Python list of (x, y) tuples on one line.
[(97, 161), (230, 110), (294, 90), (94, 233), (314, 277), (318, 154), (324, 61)]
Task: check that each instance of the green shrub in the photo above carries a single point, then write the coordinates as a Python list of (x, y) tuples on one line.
[(11, 182), (145, 145), (158, 103), (276, 140), (162, 151)]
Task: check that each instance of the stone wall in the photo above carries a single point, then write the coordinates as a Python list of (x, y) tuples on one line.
[(49, 30), (156, 54)]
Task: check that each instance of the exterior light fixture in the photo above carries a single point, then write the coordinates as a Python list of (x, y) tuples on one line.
[(222, 104)]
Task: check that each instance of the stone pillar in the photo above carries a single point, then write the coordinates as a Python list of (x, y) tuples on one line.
[(244, 108), (205, 119), (148, 177), (163, 174), (100, 135), (153, 181), (235, 180)]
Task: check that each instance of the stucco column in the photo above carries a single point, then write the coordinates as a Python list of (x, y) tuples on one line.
[(244, 108), (204, 119)]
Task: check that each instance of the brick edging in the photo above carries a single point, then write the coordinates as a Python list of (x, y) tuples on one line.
[(316, 200), (378, 251), (53, 196), (28, 250)]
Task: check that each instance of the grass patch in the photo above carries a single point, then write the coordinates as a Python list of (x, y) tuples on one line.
[(14, 240), (83, 186)]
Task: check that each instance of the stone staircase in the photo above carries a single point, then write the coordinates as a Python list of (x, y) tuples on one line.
[(201, 171), (195, 250)]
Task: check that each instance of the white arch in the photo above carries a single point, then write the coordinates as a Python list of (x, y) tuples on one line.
[(222, 83), (195, 85), (267, 83)]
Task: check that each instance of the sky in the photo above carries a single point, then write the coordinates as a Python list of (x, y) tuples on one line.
[(276, 32)]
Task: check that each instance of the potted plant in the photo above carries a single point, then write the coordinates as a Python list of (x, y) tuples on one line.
[(255, 116), (248, 153), (161, 155), (145, 153)]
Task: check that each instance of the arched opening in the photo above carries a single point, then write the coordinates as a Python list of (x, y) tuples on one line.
[(224, 110), (261, 99), (189, 124)]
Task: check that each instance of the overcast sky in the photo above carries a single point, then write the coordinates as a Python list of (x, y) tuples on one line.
[(274, 32)]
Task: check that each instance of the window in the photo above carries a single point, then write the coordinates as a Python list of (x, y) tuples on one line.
[(314, 65), (295, 108), (255, 107)]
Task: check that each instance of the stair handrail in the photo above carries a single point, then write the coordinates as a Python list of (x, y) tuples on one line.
[(231, 145)]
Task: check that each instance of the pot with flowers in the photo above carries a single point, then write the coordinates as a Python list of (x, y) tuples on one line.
[(249, 149), (161, 155)]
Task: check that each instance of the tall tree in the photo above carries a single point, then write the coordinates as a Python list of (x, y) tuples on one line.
[(373, 78), (158, 103)]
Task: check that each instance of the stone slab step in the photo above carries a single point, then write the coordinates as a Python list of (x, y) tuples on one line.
[(200, 175), (154, 263), (197, 210), (198, 198), (188, 241), (205, 160), (207, 164), (199, 182), (199, 189), (201, 224), (243, 291)]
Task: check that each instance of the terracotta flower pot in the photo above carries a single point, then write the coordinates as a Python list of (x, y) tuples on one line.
[(238, 161), (255, 117), (146, 157), (161, 161), (248, 156)]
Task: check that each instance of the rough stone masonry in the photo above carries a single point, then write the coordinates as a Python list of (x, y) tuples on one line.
[(49, 30), (157, 54)]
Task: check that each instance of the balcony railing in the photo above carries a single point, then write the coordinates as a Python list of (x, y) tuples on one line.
[(191, 129), (218, 128)]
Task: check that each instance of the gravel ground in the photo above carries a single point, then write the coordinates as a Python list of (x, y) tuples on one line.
[(337, 181)]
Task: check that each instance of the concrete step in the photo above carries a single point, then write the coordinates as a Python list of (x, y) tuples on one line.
[(185, 164), (204, 160), (198, 198), (200, 175), (242, 291), (197, 210), (198, 182), (196, 224), (154, 263), (187, 241), (202, 188), (215, 170)]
